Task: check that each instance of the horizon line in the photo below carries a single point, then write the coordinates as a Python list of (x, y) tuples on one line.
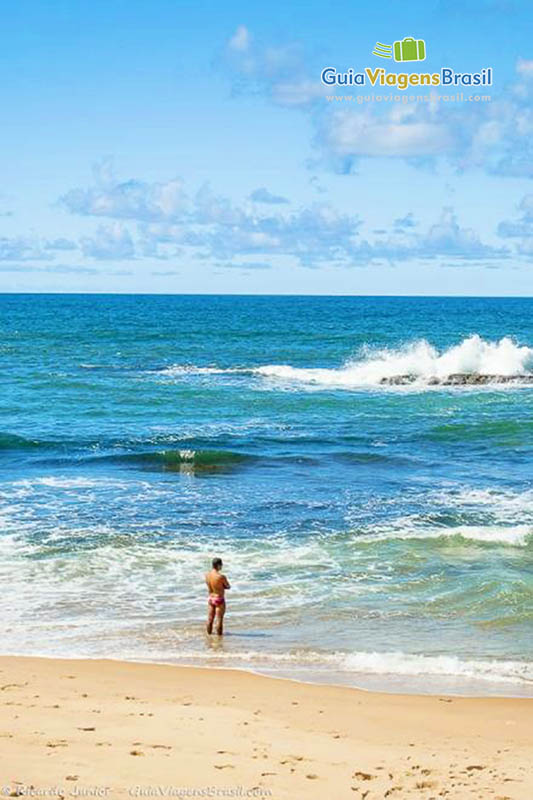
[(263, 294)]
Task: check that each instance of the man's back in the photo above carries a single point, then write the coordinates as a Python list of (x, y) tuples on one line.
[(216, 582)]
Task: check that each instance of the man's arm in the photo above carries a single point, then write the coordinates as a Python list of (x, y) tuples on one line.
[(226, 583)]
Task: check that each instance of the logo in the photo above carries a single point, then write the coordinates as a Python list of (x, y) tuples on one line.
[(407, 49)]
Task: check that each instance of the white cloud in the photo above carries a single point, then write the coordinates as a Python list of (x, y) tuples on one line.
[(210, 226), (240, 40), (525, 67), (22, 248), (363, 133), (57, 269), (60, 244), (408, 221), (110, 242), (447, 237), (131, 199), (521, 228), (258, 67), (262, 195)]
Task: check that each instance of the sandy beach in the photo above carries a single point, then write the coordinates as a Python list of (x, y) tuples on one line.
[(115, 729)]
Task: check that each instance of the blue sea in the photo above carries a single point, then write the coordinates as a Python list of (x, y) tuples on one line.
[(375, 534)]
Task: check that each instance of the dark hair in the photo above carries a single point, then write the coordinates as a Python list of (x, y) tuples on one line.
[(217, 563)]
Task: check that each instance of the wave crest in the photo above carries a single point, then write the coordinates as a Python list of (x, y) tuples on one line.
[(473, 361)]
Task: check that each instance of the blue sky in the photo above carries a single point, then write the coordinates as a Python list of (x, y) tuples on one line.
[(190, 147)]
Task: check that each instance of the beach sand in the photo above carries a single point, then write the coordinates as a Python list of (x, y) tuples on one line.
[(113, 729)]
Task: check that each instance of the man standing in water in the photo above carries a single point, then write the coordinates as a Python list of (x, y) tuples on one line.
[(217, 583)]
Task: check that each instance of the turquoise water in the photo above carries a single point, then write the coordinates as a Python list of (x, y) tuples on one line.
[(375, 535)]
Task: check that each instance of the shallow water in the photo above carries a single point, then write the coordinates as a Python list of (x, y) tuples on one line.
[(375, 535)]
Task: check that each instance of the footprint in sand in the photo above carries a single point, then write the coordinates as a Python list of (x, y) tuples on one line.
[(363, 776), (223, 766), (136, 753), (13, 686), (426, 784), (89, 728)]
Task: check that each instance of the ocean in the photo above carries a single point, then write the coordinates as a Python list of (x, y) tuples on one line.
[(374, 513)]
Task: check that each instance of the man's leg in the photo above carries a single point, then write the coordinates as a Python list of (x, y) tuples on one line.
[(221, 610), (210, 617)]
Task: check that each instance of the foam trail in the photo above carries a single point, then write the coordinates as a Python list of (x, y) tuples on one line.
[(516, 535), (392, 663), (418, 362), (398, 663)]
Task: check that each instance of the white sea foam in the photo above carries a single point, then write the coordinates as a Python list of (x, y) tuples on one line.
[(513, 535), (399, 663), (419, 360), (61, 482), (394, 663), (506, 503), (191, 369)]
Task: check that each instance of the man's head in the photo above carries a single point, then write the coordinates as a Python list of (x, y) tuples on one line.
[(217, 564)]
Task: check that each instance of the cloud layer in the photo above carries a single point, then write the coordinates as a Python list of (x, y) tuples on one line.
[(162, 221)]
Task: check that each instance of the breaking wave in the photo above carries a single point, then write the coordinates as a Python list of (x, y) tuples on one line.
[(473, 361), (511, 535)]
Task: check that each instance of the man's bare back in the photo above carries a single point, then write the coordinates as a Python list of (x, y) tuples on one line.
[(217, 583)]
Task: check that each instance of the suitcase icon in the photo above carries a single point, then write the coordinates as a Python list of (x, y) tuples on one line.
[(410, 49)]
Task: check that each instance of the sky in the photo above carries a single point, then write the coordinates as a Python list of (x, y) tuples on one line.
[(180, 147)]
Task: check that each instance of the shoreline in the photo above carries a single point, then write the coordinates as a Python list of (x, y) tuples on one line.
[(80, 724), (297, 677)]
